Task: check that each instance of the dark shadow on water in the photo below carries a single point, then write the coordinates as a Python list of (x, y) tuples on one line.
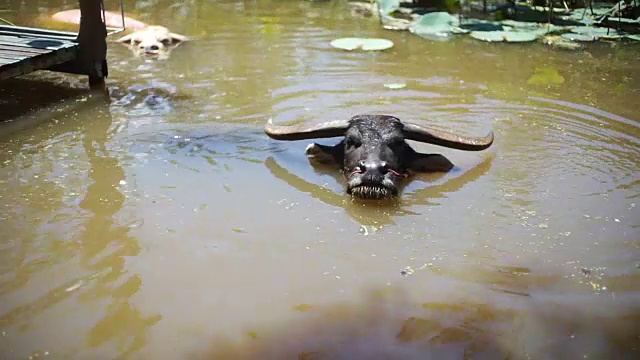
[(377, 213), (387, 325), (23, 95)]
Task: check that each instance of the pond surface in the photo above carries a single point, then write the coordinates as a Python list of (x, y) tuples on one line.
[(166, 225)]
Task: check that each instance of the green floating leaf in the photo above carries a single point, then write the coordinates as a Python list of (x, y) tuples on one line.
[(520, 36), (386, 7), (579, 37), (367, 44), (459, 30), (392, 23), (490, 36), (599, 31), (551, 28), (435, 25), (533, 28), (508, 36), (518, 24), (625, 20), (633, 37)]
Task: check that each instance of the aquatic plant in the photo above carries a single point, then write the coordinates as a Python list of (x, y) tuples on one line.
[(511, 22)]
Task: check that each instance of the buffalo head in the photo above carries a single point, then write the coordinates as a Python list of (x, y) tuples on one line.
[(152, 42), (373, 153)]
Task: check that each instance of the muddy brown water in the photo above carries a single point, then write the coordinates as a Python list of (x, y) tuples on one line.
[(165, 225)]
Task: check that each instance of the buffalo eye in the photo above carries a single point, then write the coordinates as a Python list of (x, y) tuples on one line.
[(396, 145), (353, 143)]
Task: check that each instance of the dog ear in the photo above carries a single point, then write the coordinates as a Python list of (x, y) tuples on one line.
[(125, 39), (177, 38)]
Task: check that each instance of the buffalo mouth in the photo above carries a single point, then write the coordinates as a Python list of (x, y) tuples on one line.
[(366, 186), (372, 191), (150, 54)]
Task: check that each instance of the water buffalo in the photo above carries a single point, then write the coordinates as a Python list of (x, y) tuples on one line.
[(154, 41), (373, 154), (146, 41)]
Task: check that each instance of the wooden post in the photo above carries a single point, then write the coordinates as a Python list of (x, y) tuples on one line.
[(92, 39)]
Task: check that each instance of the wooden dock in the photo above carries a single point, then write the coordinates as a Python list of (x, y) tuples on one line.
[(24, 50)]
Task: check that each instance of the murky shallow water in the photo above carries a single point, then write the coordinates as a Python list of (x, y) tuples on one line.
[(166, 225)]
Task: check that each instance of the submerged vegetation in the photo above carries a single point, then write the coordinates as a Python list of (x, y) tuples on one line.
[(576, 22)]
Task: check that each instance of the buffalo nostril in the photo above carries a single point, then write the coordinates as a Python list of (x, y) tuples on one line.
[(379, 167), (383, 167), (362, 165)]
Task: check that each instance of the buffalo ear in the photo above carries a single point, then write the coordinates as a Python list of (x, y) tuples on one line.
[(177, 38), (126, 39), (425, 163), (325, 155)]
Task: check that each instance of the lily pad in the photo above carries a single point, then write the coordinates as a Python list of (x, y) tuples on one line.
[(633, 37), (519, 36), (392, 23), (518, 24), (625, 20), (490, 36), (367, 44), (435, 25), (579, 37), (508, 36), (598, 31), (386, 7)]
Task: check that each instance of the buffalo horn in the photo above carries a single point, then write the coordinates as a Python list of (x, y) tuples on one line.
[(306, 131), (446, 139)]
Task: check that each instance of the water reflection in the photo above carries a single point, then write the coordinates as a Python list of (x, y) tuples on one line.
[(40, 218), (106, 244), (390, 324), (379, 214), (97, 235)]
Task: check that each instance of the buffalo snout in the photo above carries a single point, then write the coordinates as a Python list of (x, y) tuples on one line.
[(153, 47), (372, 179), (373, 168)]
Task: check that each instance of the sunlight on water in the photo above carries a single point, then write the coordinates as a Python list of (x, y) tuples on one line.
[(165, 224)]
